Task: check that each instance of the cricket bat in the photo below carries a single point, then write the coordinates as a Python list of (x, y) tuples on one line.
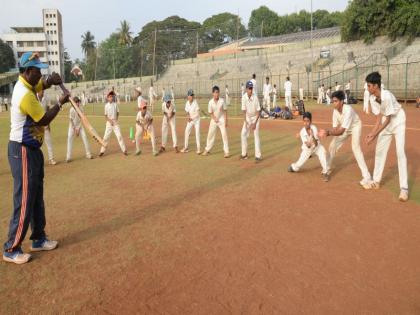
[(85, 122)]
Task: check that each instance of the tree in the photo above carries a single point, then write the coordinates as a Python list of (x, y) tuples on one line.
[(124, 34), (88, 43), (263, 19), (7, 58), (68, 64)]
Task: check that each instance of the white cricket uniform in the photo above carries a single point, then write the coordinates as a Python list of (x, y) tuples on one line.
[(255, 87), (168, 122), (318, 149), (242, 90), (328, 96), (173, 96), (143, 125), (338, 87), (251, 107), (152, 96), (288, 93), (267, 90), (76, 124), (319, 99), (389, 106), (274, 97), (227, 99), (139, 100), (193, 111), (111, 112), (349, 120), (47, 133), (366, 96), (217, 108)]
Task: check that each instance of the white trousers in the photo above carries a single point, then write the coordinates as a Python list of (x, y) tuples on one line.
[(395, 128), (274, 101), (48, 142), (319, 100), (288, 99), (246, 129), (212, 135), (366, 101), (319, 150), (267, 102), (328, 99), (140, 130), (165, 125), (70, 137), (338, 141), (196, 124), (151, 103), (117, 131)]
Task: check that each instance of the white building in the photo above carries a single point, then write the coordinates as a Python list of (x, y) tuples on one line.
[(47, 40)]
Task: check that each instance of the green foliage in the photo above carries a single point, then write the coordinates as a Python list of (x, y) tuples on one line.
[(7, 58)]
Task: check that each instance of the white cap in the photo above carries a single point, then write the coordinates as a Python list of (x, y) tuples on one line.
[(138, 89)]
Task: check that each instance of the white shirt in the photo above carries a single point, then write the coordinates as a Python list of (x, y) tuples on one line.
[(347, 119), (193, 109), (251, 106), (139, 100), (226, 92), (389, 105), (111, 111), (288, 88), (168, 110), (305, 137), (152, 92), (274, 91), (255, 88), (242, 89), (348, 86), (267, 89), (74, 117), (144, 120), (338, 87), (217, 107)]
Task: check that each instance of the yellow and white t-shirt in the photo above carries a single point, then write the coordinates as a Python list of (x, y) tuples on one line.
[(25, 112)]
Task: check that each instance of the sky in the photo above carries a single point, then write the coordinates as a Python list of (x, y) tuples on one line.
[(103, 17)]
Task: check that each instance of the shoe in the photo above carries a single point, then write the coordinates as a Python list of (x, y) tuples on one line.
[(43, 244), (258, 159), (184, 150), (326, 177), (68, 160), (366, 183), (17, 257), (243, 157), (226, 156), (162, 149), (137, 152), (198, 152), (155, 153), (89, 157), (376, 185), (205, 153), (125, 153), (176, 150), (403, 195), (290, 169), (101, 154), (52, 162)]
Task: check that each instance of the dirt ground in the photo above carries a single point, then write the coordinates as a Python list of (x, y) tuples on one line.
[(185, 234)]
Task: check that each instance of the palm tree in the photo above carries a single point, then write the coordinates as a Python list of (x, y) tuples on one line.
[(88, 43), (124, 33)]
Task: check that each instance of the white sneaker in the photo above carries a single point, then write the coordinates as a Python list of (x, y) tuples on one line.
[(198, 152), (184, 150), (44, 244), (52, 162), (16, 257), (403, 195), (366, 183)]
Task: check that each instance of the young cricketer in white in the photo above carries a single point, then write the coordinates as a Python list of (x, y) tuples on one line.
[(168, 109), (310, 145), (288, 92), (112, 125), (218, 112), (251, 109), (193, 120), (139, 97), (346, 123), (274, 96), (144, 124), (152, 97), (47, 131), (390, 122), (267, 90), (76, 129)]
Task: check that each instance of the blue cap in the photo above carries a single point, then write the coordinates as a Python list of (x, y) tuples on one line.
[(31, 59), (249, 84), (190, 92), (167, 98)]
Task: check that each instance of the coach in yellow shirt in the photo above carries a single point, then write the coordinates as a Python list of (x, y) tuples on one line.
[(28, 120)]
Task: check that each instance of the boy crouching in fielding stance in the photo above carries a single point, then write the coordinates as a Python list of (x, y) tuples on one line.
[(144, 122), (111, 117), (218, 113), (346, 122), (390, 121), (193, 112), (310, 145), (76, 129), (168, 109), (251, 109)]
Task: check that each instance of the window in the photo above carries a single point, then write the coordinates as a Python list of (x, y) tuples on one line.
[(54, 15), (19, 44), (56, 42), (46, 16), (39, 44), (29, 44), (55, 32)]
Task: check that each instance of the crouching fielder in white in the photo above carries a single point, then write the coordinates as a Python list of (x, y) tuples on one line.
[(390, 121), (218, 112), (144, 125), (193, 112), (76, 129), (346, 123), (168, 109), (112, 125), (251, 109), (310, 145)]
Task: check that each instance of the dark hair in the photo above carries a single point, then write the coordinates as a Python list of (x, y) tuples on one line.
[(215, 88), (374, 78), (287, 78), (267, 78), (338, 94), (307, 115), (254, 76)]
